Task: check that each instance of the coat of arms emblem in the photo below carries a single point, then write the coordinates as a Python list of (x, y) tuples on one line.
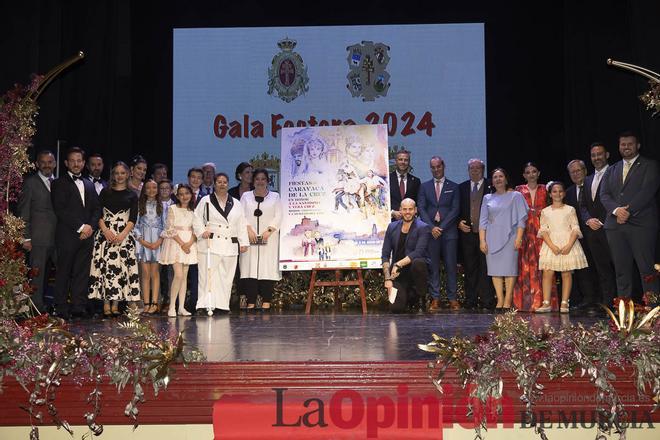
[(287, 75), (367, 76)]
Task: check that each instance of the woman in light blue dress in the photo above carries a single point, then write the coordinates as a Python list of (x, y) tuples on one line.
[(501, 227), (148, 231)]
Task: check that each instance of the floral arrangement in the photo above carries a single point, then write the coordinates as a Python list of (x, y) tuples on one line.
[(40, 351), (511, 346), (651, 98), (292, 289)]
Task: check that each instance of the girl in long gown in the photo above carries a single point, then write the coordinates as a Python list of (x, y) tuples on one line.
[(561, 251), (114, 272), (528, 291)]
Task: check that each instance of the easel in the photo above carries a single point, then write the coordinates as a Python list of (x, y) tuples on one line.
[(336, 283)]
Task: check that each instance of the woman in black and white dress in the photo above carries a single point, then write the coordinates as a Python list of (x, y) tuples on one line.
[(114, 271)]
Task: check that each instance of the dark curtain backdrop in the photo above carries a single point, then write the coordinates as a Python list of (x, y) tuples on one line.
[(549, 91)]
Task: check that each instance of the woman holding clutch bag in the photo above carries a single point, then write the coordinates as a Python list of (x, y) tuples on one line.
[(260, 264)]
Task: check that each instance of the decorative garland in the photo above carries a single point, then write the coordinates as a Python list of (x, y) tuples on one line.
[(511, 346), (39, 351)]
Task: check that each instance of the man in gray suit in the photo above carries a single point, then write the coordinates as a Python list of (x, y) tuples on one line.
[(627, 191), (36, 209)]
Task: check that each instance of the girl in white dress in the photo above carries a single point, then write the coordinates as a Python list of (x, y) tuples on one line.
[(561, 251), (179, 247)]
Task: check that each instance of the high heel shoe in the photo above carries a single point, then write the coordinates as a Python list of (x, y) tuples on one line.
[(106, 310), (171, 312), (564, 308), (115, 309), (147, 307), (184, 312), (154, 309)]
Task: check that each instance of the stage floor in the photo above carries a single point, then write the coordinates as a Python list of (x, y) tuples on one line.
[(325, 335)]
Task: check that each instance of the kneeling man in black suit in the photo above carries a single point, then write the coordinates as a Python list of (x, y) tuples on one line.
[(405, 257)]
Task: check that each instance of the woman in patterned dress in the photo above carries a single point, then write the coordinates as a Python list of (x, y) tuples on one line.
[(114, 271), (528, 291)]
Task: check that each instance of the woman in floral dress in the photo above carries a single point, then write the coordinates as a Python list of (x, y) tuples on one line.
[(528, 291)]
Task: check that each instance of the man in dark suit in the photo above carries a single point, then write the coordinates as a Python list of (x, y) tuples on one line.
[(583, 288), (479, 291), (439, 206), (593, 215), (628, 193), (94, 171), (405, 258), (36, 210), (78, 211), (403, 185)]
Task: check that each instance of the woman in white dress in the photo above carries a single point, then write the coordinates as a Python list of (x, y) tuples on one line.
[(561, 251), (260, 264), (219, 226), (179, 248)]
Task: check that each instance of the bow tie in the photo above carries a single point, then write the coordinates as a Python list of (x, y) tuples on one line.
[(76, 177), (95, 180)]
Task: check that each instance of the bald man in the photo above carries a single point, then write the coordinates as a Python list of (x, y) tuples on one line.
[(405, 258)]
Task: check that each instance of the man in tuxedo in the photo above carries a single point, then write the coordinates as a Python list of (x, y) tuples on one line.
[(479, 290), (36, 210), (402, 184), (584, 278), (628, 193), (439, 207), (94, 171), (405, 258), (78, 211), (593, 215)]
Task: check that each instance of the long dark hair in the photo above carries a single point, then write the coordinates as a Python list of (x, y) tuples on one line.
[(142, 201), (191, 204)]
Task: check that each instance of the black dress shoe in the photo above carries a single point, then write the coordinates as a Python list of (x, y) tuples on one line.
[(470, 306)]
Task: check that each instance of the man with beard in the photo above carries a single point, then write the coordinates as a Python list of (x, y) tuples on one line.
[(36, 210), (628, 191), (77, 208), (593, 214), (405, 258), (402, 184), (94, 171)]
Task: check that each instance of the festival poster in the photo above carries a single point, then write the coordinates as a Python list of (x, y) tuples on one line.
[(335, 196)]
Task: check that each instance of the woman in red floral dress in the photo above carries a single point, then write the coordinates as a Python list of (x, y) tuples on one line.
[(528, 292)]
